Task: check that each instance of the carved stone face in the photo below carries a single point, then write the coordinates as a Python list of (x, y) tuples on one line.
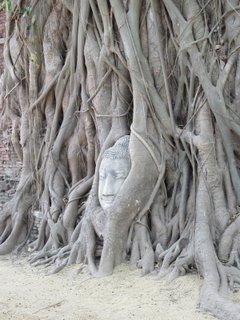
[(112, 174)]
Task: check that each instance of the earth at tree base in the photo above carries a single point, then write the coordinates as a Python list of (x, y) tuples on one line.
[(25, 294)]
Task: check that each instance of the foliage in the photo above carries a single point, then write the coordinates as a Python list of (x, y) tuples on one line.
[(7, 5)]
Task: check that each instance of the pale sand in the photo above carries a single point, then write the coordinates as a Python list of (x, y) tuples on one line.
[(27, 294)]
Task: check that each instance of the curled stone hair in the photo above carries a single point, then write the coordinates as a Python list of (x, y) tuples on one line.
[(119, 150)]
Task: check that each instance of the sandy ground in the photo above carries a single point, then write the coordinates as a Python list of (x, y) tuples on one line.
[(28, 294)]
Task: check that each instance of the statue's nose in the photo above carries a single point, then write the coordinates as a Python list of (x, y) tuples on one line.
[(108, 188)]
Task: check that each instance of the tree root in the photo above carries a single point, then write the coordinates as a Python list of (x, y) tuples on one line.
[(142, 254)]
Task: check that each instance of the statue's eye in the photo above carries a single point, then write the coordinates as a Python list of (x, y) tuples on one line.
[(121, 176)]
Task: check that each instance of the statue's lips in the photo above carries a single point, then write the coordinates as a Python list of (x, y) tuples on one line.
[(107, 200)]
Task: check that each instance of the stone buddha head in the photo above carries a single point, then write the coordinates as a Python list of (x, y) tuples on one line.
[(113, 171)]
